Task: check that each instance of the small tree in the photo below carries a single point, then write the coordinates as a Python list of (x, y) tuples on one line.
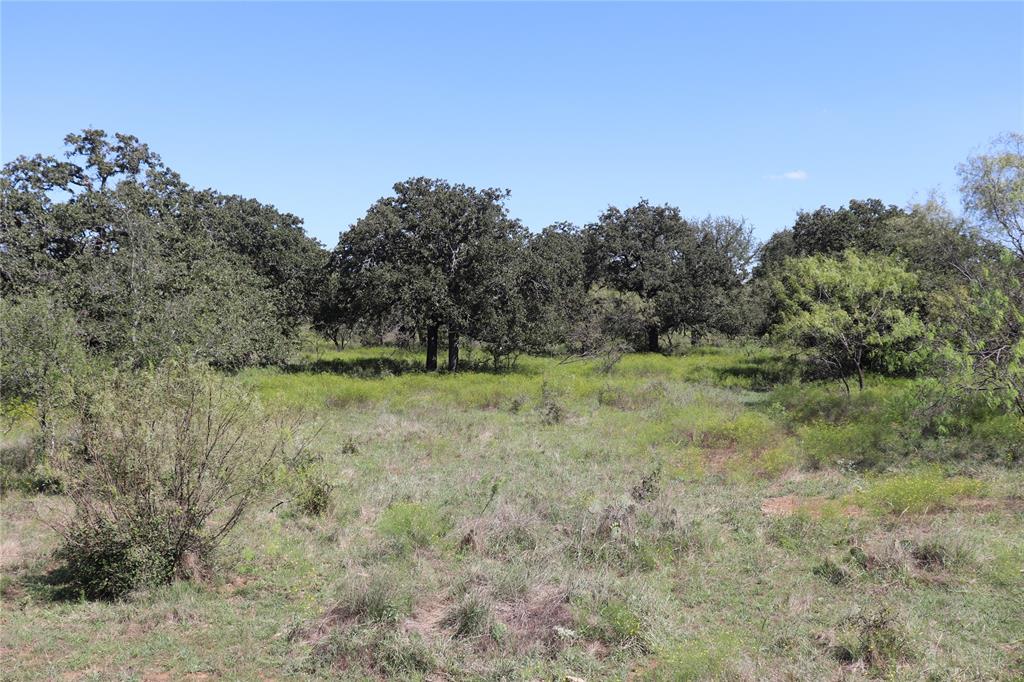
[(171, 459), (992, 186), (850, 313), (41, 357)]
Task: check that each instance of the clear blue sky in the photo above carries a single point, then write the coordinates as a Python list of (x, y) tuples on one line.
[(319, 108)]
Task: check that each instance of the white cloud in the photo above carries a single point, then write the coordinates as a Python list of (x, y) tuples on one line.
[(791, 175)]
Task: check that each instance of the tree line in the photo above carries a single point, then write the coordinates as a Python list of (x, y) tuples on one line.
[(107, 253)]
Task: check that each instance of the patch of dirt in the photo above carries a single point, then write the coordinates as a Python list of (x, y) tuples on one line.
[(787, 505), (717, 459), (11, 553), (427, 618), (541, 619), (983, 505), (337, 618)]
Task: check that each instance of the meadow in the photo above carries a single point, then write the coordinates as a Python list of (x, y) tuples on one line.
[(696, 516)]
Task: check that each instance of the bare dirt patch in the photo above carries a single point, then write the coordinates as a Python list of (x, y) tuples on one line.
[(787, 505)]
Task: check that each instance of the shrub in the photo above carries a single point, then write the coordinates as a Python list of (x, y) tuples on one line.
[(551, 408), (105, 558), (851, 314), (170, 461), (311, 489)]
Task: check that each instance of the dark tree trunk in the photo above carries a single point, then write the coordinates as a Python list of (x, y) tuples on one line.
[(653, 346), (696, 337), (453, 350), (860, 378), (431, 347)]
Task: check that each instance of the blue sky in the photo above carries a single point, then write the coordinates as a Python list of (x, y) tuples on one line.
[(753, 110)]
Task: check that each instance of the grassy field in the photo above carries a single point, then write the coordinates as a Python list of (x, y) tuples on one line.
[(674, 518)]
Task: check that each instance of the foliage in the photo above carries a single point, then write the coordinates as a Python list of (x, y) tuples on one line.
[(433, 255), (311, 489), (983, 317), (682, 271), (993, 189), (149, 265), (170, 461), (42, 357), (860, 225), (851, 313)]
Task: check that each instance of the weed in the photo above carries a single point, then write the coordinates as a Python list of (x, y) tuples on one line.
[(552, 409), (917, 492), (832, 572), (613, 621), (412, 525), (471, 617)]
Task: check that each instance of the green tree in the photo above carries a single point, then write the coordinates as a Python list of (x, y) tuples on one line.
[(150, 266), (42, 357), (851, 313), (436, 255), (992, 186), (983, 317), (682, 271), (859, 225), (538, 299)]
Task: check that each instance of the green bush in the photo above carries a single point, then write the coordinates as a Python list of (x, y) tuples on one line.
[(107, 559), (170, 460)]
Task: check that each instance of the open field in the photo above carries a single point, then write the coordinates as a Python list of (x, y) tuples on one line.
[(673, 518)]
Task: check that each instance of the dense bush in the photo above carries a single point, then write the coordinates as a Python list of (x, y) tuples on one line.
[(169, 462), (42, 358), (851, 314)]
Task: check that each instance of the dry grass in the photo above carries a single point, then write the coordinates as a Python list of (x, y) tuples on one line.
[(643, 536)]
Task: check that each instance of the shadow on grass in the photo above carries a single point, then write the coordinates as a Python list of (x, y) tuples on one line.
[(761, 376), (375, 368), (361, 368), (53, 586)]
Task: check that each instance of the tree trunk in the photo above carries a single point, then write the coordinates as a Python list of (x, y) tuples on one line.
[(431, 347), (696, 337), (860, 377), (453, 350), (652, 340)]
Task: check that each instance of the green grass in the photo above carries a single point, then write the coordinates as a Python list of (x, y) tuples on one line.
[(917, 492), (470, 535)]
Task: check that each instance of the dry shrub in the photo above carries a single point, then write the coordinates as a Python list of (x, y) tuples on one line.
[(170, 460)]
